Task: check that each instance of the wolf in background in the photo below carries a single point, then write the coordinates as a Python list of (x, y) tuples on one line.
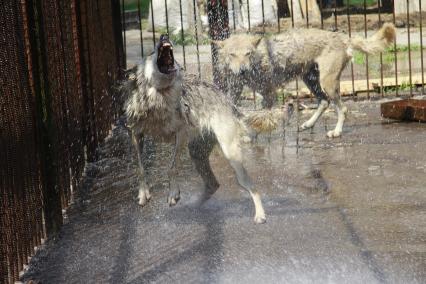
[(316, 56), (166, 105)]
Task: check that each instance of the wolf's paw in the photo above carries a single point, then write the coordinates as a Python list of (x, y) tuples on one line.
[(305, 126), (246, 139), (334, 134), (173, 197), (143, 197), (260, 219)]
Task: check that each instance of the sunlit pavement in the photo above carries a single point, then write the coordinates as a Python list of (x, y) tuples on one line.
[(347, 210)]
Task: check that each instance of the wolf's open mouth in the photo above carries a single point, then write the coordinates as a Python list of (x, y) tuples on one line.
[(165, 59)]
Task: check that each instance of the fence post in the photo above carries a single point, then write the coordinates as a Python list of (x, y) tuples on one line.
[(217, 12), (49, 167)]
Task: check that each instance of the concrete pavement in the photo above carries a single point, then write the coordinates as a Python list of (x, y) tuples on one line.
[(349, 210)]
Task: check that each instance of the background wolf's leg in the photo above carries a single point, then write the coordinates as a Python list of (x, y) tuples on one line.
[(269, 97), (341, 116), (235, 87), (227, 136), (144, 194), (312, 81), (314, 118), (175, 165), (199, 150), (330, 72)]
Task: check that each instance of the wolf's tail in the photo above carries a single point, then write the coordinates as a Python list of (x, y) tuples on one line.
[(377, 42), (268, 120)]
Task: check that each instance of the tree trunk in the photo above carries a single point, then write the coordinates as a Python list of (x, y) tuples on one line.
[(413, 5)]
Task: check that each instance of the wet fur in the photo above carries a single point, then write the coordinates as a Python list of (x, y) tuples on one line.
[(187, 112), (317, 57)]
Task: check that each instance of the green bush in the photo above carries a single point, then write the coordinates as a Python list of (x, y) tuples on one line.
[(133, 5)]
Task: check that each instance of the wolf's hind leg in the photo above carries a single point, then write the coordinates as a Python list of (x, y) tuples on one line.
[(227, 136), (199, 150), (175, 165), (312, 81), (331, 71), (341, 116), (144, 195)]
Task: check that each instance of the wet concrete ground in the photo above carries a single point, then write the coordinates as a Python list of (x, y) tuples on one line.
[(349, 210)]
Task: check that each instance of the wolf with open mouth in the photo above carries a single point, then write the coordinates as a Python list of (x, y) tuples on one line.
[(168, 106)]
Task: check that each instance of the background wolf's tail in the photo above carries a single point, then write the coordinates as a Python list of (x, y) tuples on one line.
[(377, 42)]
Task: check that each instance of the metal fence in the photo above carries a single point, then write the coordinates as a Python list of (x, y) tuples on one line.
[(58, 62), (399, 70)]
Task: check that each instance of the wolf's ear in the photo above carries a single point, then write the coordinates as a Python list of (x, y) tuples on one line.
[(256, 40), (219, 43)]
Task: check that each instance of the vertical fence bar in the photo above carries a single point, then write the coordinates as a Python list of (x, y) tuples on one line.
[(381, 54), (263, 16), (182, 34), (307, 13), (152, 24), (167, 17), (123, 15), (140, 26), (366, 56), (321, 15), (219, 30), (248, 15), (350, 35), (421, 48), (395, 52), (278, 21), (233, 14), (196, 39), (335, 14), (409, 47)]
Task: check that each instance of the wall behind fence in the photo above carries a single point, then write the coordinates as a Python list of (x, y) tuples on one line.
[(58, 62)]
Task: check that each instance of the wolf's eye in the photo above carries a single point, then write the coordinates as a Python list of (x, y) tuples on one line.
[(232, 54), (247, 53)]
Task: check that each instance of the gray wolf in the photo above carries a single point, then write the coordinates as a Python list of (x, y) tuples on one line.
[(168, 106), (316, 56)]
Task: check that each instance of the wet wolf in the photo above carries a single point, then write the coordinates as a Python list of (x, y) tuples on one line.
[(169, 106), (317, 57)]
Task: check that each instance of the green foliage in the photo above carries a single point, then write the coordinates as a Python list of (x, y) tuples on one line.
[(388, 55), (133, 5), (403, 86), (360, 2)]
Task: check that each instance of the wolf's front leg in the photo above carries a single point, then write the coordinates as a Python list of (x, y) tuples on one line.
[(175, 166), (144, 195)]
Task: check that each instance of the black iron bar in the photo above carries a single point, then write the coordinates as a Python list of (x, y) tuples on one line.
[(381, 54), (395, 51), (123, 15), (182, 35), (307, 13), (366, 56), (263, 17), (140, 26), (233, 14), (409, 48), (167, 17), (350, 35), (421, 47), (152, 24), (248, 15), (196, 38)]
